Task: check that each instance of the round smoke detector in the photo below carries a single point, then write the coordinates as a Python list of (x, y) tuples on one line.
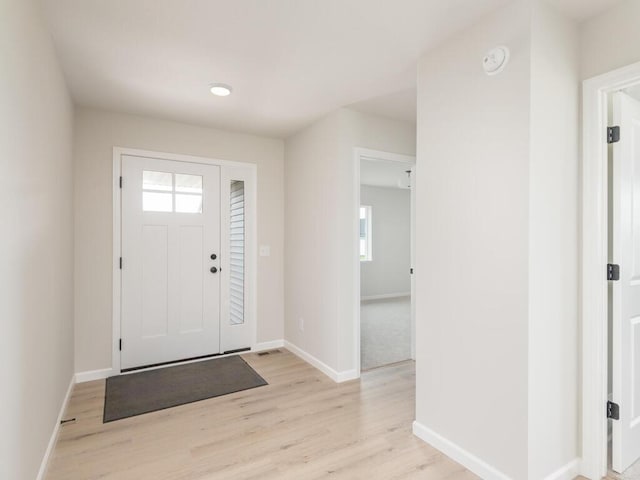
[(495, 61)]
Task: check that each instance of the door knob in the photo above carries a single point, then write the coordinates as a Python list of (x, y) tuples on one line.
[(213, 256), (213, 269)]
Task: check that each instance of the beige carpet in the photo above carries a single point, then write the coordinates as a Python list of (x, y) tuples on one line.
[(385, 331)]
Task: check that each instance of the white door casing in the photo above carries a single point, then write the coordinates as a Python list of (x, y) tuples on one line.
[(377, 155), (626, 291), (594, 285), (170, 298), (413, 260)]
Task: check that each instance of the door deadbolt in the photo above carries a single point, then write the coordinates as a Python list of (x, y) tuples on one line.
[(213, 256)]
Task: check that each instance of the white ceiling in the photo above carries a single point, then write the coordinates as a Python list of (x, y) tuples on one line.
[(289, 61), (384, 174), (399, 105), (583, 9)]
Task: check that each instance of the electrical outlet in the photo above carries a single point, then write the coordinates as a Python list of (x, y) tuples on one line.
[(301, 321)]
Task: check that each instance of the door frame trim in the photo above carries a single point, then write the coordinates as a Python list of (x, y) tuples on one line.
[(594, 299), (359, 154), (252, 263)]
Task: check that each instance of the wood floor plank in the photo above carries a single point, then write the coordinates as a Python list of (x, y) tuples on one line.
[(300, 426)]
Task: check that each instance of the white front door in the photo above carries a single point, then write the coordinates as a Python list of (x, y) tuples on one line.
[(170, 261), (626, 291)]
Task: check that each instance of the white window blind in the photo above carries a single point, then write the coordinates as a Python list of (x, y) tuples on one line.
[(237, 253)]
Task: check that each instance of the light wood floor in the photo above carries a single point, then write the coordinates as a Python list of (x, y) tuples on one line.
[(301, 426)]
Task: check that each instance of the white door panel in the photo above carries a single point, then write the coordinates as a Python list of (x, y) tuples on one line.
[(191, 255), (170, 228), (626, 291), (155, 281)]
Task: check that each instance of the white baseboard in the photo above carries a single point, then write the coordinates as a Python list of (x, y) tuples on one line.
[(54, 434), (457, 453), (91, 375), (386, 295), (334, 375), (262, 346), (570, 471), (347, 375), (103, 373)]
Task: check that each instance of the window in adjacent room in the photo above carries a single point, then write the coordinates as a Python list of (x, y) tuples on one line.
[(365, 233)]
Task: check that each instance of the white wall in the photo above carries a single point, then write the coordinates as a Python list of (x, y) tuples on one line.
[(610, 40), (312, 280), (319, 193), (553, 243), (36, 279), (496, 271), (97, 132), (472, 232), (388, 272)]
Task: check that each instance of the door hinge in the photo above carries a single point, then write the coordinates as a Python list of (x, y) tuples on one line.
[(613, 271), (120, 344), (120, 182), (613, 411), (613, 134), (120, 263)]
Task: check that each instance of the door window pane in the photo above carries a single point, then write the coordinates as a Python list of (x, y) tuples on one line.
[(168, 192), (188, 183), (161, 181), (157, 202)]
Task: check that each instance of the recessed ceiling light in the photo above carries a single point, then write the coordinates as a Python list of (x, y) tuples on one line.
[(221, 89)]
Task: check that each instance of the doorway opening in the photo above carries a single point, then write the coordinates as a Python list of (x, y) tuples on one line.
[(385, 209), (611, 275)]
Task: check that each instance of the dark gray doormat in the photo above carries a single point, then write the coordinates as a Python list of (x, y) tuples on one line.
[(144, 392)]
